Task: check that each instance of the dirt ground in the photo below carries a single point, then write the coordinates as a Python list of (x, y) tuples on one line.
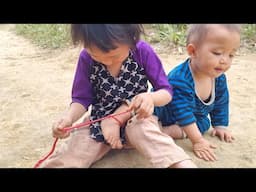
[(35, 89)]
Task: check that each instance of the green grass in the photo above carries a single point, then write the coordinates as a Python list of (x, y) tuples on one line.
[(46, 35), (249, 36), (169, 33), (58, 35), (175, 35)]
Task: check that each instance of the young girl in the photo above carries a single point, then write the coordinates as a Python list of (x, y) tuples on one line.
[(115, 67), (200, 88)]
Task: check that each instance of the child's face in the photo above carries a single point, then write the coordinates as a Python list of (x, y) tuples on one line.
[(113, 57), (214, 55)]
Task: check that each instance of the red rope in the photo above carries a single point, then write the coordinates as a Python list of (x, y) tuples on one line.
[(117, 120), (76, 127)]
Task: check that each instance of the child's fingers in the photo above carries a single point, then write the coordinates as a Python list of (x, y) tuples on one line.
[(57, 132), (222, 137), (213, 146), (201, 155), (229, 138), (116, 144), (65, 135), (198, 154), (145, 110), (210, 154), (64, 123), (140, 115), (112, 143), (60, 124), (213, 133), (119, 144), (109, 139), (60, 133), (206, 154), (135, 103)]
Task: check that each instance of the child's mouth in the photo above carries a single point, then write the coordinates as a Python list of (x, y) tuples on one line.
[(219, 70)]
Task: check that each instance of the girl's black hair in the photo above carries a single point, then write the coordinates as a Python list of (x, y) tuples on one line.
[(106, 36)]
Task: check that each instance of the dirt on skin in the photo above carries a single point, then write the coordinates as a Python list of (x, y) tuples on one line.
[(35, 89)]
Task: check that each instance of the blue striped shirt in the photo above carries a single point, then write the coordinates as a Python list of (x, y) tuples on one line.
[(187, 108)]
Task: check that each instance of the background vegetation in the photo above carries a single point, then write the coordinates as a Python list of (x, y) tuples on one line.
[(58, 35), (46, 35)]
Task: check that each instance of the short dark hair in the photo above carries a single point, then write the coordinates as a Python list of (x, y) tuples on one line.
[(106, 36), (197, 32)]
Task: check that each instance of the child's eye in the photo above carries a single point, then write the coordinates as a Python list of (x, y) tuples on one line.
[(216, 53), (231, 55)]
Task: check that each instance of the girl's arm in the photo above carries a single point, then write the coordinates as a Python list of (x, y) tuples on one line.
[(143, 104), (75, 111), (161, 97)]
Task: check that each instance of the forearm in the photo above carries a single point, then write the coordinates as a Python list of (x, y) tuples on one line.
[(161, 97), (193, 132), (75, 111)]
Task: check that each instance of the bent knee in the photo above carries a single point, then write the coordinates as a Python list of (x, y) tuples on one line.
[(137, 128)]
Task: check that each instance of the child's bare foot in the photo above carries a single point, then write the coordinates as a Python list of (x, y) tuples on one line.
[(114, 138), (111, 132)]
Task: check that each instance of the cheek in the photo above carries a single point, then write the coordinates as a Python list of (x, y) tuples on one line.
[(227, 68), (119, 60), (207, 67)]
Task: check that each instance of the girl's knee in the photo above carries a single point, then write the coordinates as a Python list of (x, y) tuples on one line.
[(142, 128)]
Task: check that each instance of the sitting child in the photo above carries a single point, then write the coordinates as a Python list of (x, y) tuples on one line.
[(200, 88)]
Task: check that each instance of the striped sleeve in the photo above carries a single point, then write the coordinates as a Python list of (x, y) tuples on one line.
[(183, 101), (220, 114)]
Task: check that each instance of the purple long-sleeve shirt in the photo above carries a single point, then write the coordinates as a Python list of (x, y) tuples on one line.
[(93, 85)]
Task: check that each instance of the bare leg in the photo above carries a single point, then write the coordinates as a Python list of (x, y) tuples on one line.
[(174, 131)]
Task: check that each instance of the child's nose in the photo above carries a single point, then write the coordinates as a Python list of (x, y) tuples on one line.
[(225, 60)]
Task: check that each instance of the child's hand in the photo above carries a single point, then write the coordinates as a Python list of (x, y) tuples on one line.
[(203, 149), (111, 132), (57, 128), (223, 134), (143, 105)]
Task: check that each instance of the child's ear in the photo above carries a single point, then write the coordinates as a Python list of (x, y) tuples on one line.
[(191, 49)]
